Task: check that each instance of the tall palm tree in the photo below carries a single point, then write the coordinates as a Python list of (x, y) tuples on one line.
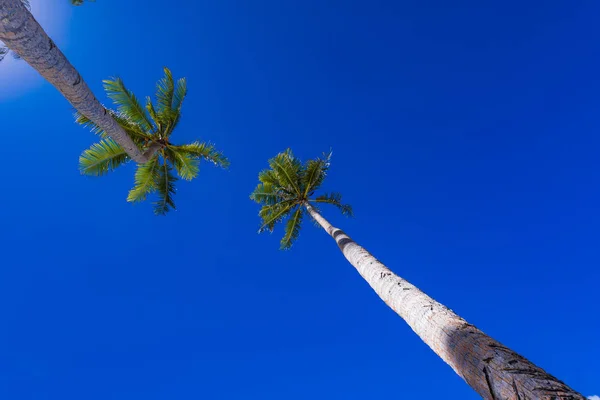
[(287, 190), (22, 34), (149, 127)]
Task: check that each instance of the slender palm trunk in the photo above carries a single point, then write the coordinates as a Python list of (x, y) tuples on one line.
[(21, 33), (491, 369)]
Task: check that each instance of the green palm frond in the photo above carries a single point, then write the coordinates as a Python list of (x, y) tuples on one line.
[(265, 193), (179, 94), (87, 123), (206, 151), (127, 103), (146, 180), (187, 166), (292, 229), (335, 199), (152, 112), (273, 214), (315, 173), (165, 190), (102, 157), (287, 171), (165, 89), (80, 2), (268, 176)]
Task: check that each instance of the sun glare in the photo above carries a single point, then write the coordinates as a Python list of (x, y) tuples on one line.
[(16, 76)]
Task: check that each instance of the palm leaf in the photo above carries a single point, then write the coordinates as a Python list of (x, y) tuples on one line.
[(206, 151), (287, 171), (165, 89), (152, 111), (265, 193), (127, 104), (165, 190), (146, 180), (292, 229), (335, 199), (179, 94), (271, 215), (102, 157), (187, 166), (314, 174), (3, 52)]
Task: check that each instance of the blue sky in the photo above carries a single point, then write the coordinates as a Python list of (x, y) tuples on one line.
[(464, 135)]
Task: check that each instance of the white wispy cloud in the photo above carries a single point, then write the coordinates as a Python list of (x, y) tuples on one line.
[(593, 397)]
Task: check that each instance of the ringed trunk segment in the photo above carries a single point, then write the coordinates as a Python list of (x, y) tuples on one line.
[(21, 33), (491, 369)]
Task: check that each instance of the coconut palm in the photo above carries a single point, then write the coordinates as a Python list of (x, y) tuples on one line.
[(149, 127), (22, 34), (287, 190)]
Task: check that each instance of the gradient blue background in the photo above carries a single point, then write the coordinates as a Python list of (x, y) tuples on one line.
[(465, 135)]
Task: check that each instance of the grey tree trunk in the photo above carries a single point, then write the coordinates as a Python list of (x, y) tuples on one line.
[(491, 369), (21, 33)]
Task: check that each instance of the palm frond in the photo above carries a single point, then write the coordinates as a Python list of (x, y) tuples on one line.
[(206, 151), (146, 180), (265, 193), (179, 94), (187, 166), (165, 190), (127, 103), (152, 112), (268, 176), (102, 157), (335, 199), (273, 214), (287, 170), (315, 173), (292, 229), (165, 89), (26, 4)]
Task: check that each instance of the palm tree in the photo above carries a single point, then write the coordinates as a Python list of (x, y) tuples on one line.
[(287, 189), (22, 34), (149, 127)]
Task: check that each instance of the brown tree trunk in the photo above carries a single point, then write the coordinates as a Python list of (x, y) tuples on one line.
[(491, 369), (21, 33)]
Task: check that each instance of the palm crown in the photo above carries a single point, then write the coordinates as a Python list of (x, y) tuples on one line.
[(286, 187), (151, 126)]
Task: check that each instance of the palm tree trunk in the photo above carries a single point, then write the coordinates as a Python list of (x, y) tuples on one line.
[(21, 33), (491, 369)]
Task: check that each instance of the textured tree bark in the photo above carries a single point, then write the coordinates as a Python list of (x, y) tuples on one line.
[(491, 369), (21, 33)]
